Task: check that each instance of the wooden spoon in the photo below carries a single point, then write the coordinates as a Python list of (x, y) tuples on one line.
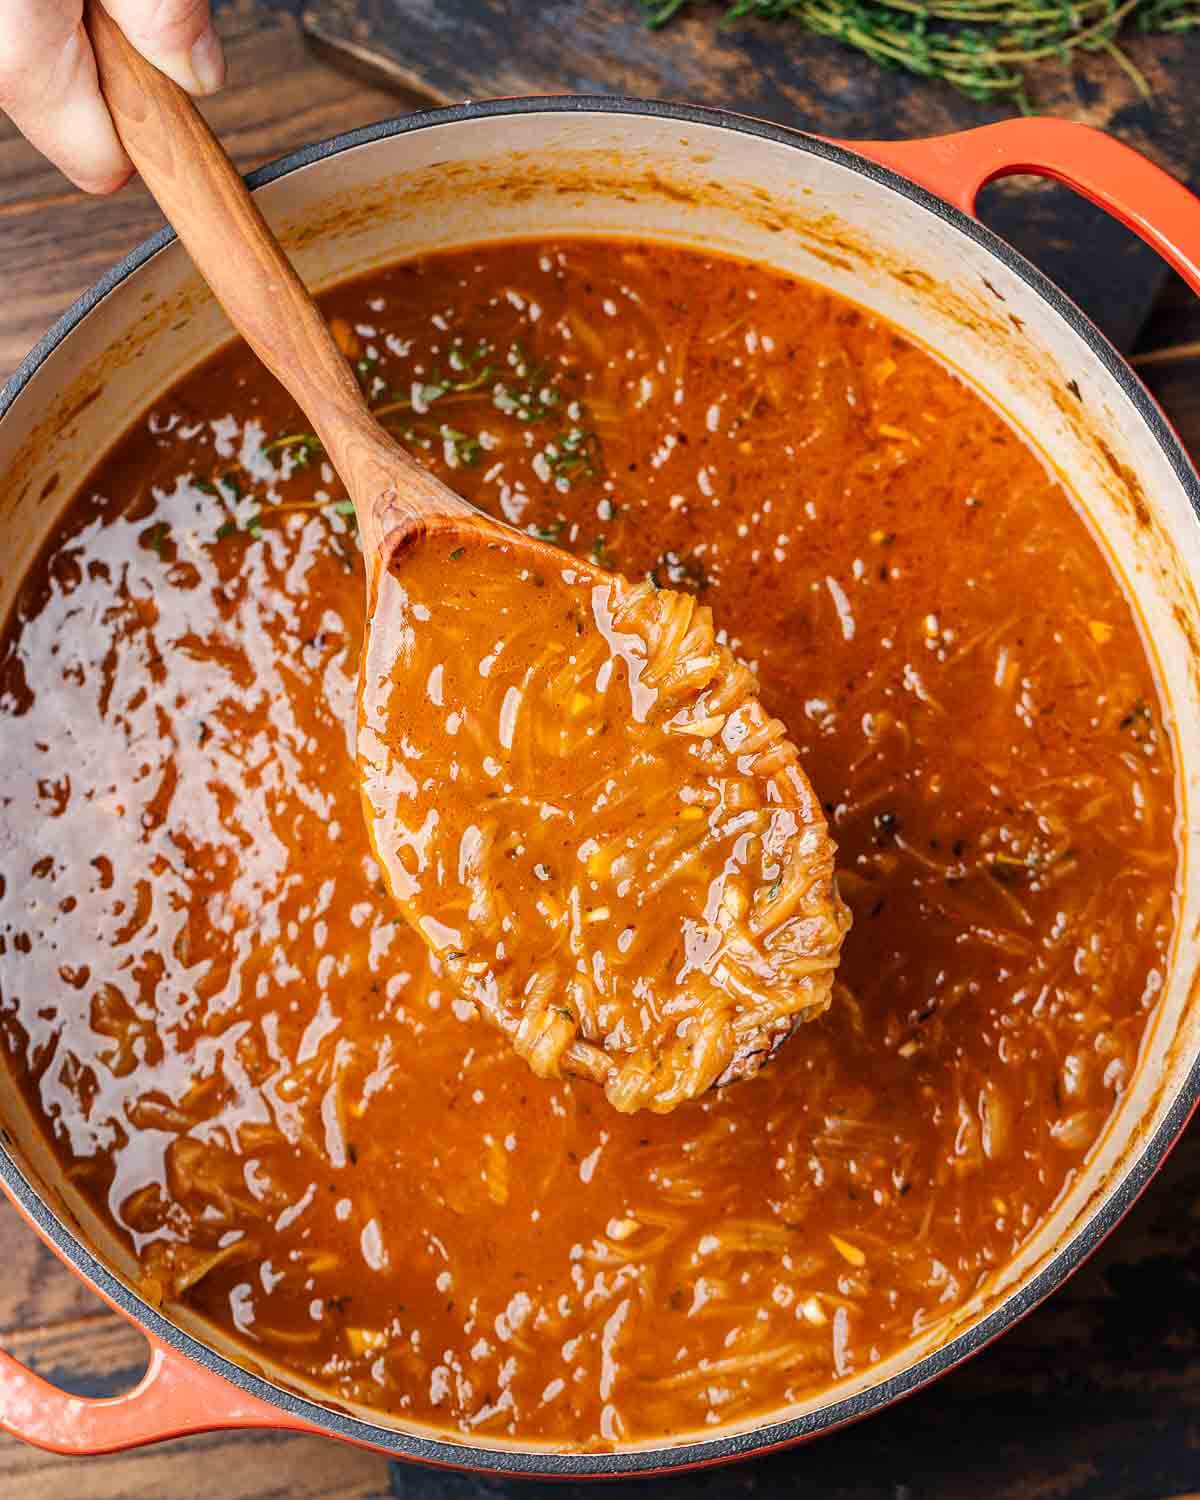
[(606, 842)]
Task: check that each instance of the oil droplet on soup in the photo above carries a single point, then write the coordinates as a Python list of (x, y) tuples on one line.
[(250, 1065)]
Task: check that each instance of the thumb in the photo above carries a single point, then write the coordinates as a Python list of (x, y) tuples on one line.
[(177, 36)]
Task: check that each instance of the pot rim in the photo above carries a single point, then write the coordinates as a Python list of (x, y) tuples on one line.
[(661, 1458)]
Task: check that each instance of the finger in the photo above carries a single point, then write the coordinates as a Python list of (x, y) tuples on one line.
[(48, 86), (177, 36)]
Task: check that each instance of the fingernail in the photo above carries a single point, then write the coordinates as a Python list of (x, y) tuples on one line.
[(208, 62)]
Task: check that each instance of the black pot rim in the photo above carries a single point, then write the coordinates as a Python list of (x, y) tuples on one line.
[(662, 1459)]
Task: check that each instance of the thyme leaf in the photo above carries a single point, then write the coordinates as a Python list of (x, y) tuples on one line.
[(461, 450), (574, 455), (600, 556), (302, 446)]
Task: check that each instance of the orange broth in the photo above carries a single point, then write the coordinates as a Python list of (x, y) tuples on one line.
[(254, 1068)]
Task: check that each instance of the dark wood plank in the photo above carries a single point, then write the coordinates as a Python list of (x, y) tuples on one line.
[(1167, 357), (32, 1293), (250, 1466), (1171, 335), (1175, 384), (461, 49), (97, 1355)]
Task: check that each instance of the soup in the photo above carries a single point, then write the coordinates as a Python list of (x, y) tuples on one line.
[(255, 1069)]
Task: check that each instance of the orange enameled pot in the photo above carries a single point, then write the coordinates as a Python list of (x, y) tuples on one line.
[(890, 226)]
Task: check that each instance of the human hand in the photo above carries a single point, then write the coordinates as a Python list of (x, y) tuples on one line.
[(48, 83)]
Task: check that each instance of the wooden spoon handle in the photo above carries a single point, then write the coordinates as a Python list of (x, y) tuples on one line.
[(204, 198)]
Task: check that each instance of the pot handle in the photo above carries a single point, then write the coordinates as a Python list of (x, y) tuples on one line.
[(176, 1396), (1127, 184)]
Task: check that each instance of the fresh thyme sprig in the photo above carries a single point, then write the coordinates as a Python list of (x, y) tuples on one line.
[(574, 455), (982, 47)]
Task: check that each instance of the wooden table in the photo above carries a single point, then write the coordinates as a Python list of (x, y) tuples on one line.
[(1096, 1396)]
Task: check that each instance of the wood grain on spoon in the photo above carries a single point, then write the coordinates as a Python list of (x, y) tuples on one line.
[(577, 799), (207, 204)]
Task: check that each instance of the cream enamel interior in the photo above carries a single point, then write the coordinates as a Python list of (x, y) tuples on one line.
[(553, 173)]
